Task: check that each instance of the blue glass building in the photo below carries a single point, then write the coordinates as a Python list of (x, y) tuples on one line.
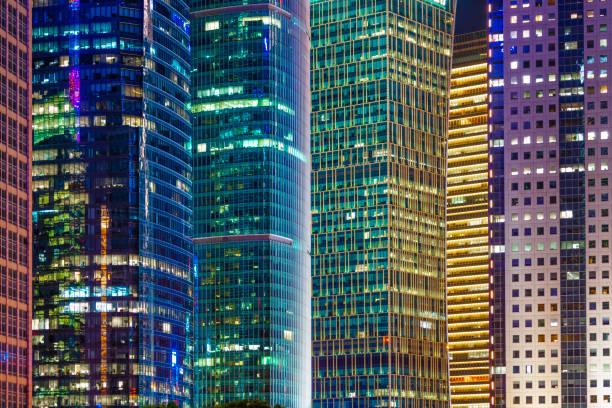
[(250, 105), (111, 203)]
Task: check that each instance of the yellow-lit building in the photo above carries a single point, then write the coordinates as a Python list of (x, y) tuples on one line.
[(467, 226)]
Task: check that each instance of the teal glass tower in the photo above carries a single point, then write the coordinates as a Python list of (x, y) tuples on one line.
[(380, 93), (251, 149)]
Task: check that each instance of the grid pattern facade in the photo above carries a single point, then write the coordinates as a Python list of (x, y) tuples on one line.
[(497, 283), (555, 143), (111, 204), (380, 77), (251, 150), (15, 202), (467, 224)]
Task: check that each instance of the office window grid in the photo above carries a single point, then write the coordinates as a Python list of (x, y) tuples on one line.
[(467, 224), (251, 151), (379, 79), (112, 218), (15, 239), (555, 197)]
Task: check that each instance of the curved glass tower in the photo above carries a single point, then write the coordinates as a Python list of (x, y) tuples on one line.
[(111, 203), (251, 108)]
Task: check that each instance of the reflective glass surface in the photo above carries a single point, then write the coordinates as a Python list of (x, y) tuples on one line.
[(380, 92), (112, 196), (252, 201)]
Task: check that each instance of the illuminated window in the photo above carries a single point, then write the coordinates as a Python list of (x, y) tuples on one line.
[(211, 25)]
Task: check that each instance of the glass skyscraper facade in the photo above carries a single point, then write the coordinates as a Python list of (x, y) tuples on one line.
[(467, 224), (111, 203), (250, 106), (549, 174), (15, 201), (380, 93)]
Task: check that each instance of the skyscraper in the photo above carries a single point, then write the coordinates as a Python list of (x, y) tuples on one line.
[(251, 150), (550, 214), (112, 197), (467, 224), (380, 91), (15, 201)]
